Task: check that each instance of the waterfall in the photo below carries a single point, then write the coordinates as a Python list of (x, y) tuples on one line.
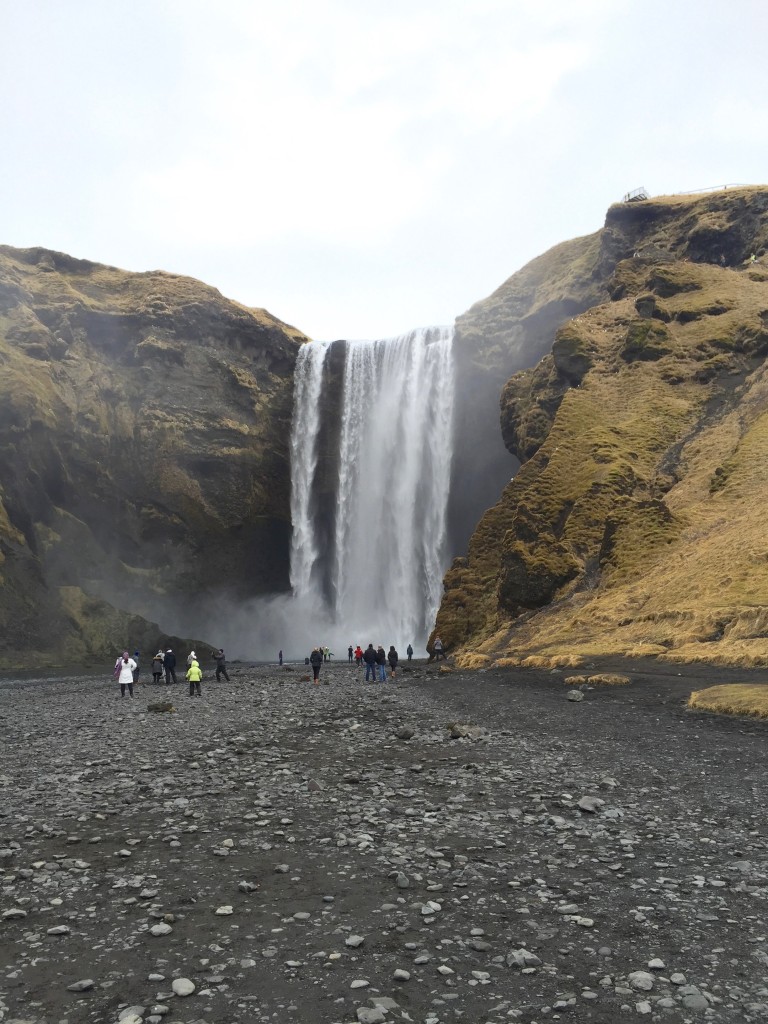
[(307, 386), (376, 571)]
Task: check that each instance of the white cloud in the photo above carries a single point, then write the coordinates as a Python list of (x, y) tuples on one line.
[(341, 121), (359, 168)]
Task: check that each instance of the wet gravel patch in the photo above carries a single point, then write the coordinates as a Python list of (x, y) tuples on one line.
[(464, 846)]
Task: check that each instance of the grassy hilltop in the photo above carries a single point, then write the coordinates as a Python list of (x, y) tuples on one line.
[(636, 524)]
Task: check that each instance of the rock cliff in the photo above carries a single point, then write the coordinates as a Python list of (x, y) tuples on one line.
[(144, 433), (635, 524)]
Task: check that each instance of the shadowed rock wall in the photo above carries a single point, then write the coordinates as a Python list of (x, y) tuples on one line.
[(144, 444)]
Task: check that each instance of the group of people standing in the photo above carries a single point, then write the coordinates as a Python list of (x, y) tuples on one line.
[(375, 660), (127, 670)]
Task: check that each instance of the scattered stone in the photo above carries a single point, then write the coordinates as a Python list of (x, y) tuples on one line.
[(590, 804), (641, 980), (485, 876), (182, 987), (81, 986), (370, 1015)]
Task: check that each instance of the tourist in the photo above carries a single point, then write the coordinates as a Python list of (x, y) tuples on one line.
[(350, 653), (369, 657), (409, 652), (359, 656), (169, 664), (221, 665), (279, 657), (157, 668), (124, 667), (381, 661), (316, 660), (136, 669), (190, 658), (194, 675), (392, 657), (437, 647)]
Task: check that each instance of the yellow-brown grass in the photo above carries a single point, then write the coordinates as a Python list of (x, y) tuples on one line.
[(552, 661), (606, 679), (565, 660), (746, 654), (684, 570), (472, 660), (507, 663), (733, 699)]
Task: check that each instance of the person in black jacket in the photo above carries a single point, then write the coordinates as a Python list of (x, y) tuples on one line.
[(381, 661), (316, 660), (221, 664), (369, 657), (392, 657), (409, 651), (169, 664)]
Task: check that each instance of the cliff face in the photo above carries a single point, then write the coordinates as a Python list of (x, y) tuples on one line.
[(144, 434), (635, 522)]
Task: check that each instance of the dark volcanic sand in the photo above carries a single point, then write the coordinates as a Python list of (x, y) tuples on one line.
[(114, 820)]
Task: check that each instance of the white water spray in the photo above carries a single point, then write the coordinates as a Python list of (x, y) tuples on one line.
[(307, 386), (385, 569)]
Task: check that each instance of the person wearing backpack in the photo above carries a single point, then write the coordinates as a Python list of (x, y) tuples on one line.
[(381, 661), (157, 667)]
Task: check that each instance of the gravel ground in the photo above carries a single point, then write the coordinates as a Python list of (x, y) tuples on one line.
[(469, 846)]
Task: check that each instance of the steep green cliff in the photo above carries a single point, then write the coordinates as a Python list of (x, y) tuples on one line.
[(144, 429), (635, 522)]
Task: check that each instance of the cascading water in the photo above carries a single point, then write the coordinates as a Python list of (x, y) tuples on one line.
[(307, 388), (383, 557)]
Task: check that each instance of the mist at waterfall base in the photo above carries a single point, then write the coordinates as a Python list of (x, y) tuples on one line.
[(371, 451)]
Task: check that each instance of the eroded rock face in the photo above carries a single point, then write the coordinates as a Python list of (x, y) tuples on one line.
[(144, 434), (633, 524)]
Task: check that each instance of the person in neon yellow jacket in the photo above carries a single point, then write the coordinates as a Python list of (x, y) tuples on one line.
[(194, 675)]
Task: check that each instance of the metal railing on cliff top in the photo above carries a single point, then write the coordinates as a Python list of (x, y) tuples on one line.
[(638, 194)]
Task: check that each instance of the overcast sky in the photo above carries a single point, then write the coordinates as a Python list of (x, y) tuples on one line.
[(361, 167)]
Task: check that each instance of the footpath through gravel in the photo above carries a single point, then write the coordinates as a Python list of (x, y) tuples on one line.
[(471, 846)]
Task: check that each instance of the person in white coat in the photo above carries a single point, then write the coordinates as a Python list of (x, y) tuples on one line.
[(124, 668)]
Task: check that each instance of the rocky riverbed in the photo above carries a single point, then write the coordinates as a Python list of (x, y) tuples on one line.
[(463, 846)]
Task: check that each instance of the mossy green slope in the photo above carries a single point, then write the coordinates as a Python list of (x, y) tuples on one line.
[(144, 425), (635, 523)]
